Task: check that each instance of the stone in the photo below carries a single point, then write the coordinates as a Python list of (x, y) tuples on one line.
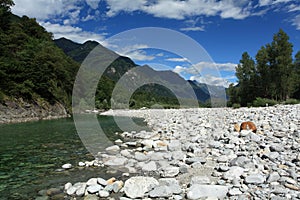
[(113, 149), (172, 184), (292, 187), (81, 164), (160, 191), (200, 180), (138, 186), (234, 192), (126, 153), (148, 143), (273, 177), (148, 167), (91, 197), (102, 181), (103, 193), (81, 190), (117, 186), (92, 189), (67, 186), (72, 190), (118, 142), (215, 144), (116, 161), (195, 159), (67, 166), (140, 156), (233, 172), (174, 145), (240, 161), (169, 172), (178, 155), (92, 181), (53, 191), (222, 159), (211, 191), (255, 179), (276, 147), (111, 181)]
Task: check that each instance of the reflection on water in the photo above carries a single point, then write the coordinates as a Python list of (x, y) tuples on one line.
[(32, 152)]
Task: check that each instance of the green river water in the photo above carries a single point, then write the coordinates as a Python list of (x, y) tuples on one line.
[(32, 153)]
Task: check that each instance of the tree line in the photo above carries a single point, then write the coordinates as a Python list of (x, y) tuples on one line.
[(274, 75), (32, 67)]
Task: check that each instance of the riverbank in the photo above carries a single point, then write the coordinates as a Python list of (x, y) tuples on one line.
[(16, 111), (196, 154)]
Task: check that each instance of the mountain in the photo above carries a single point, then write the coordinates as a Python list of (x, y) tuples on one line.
[(75, 50), (145, 94)]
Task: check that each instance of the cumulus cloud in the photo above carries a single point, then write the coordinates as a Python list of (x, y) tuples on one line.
[(202, 66), (71, 32), (212, 80), (40, 9), (185, 70)]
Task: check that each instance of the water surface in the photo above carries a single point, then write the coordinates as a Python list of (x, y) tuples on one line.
[(32, 152)]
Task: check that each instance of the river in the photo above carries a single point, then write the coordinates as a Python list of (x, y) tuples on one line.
[(32, 154)]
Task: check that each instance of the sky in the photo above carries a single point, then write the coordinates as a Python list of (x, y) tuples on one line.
[(223, 28)]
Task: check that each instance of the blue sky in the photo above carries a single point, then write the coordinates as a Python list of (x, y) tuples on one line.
[(224, 28)]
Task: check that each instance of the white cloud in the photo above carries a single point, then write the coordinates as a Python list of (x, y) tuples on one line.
[(139, 55), (293, 8), (296, 22), (219, 66), (116, 6), (75, 34), (212, 80), (265, 2), (196, 28), (177, 59), (175, 9), (93, 3), (185, 70), (40, 9), (135, 52)]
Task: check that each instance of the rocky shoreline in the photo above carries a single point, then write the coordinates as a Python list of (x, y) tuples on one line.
[(197, 154), (20, 111)]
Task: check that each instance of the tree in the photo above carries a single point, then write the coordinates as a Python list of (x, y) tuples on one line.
[(5, 13), (296, 77), (263, 70), (280, 59), (246, 73)]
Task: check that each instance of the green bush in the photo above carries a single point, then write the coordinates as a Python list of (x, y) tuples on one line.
[(262, 102), (291, 101), (236, 105)]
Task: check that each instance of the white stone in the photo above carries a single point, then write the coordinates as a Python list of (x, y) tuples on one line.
[(212, 191), (103, 193), (148, 167), (137, 187), (67, 166)]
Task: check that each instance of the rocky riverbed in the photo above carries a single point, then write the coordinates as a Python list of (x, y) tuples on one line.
[(197, 154)]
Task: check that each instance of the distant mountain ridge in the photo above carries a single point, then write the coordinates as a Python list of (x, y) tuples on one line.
[(113, 73)]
